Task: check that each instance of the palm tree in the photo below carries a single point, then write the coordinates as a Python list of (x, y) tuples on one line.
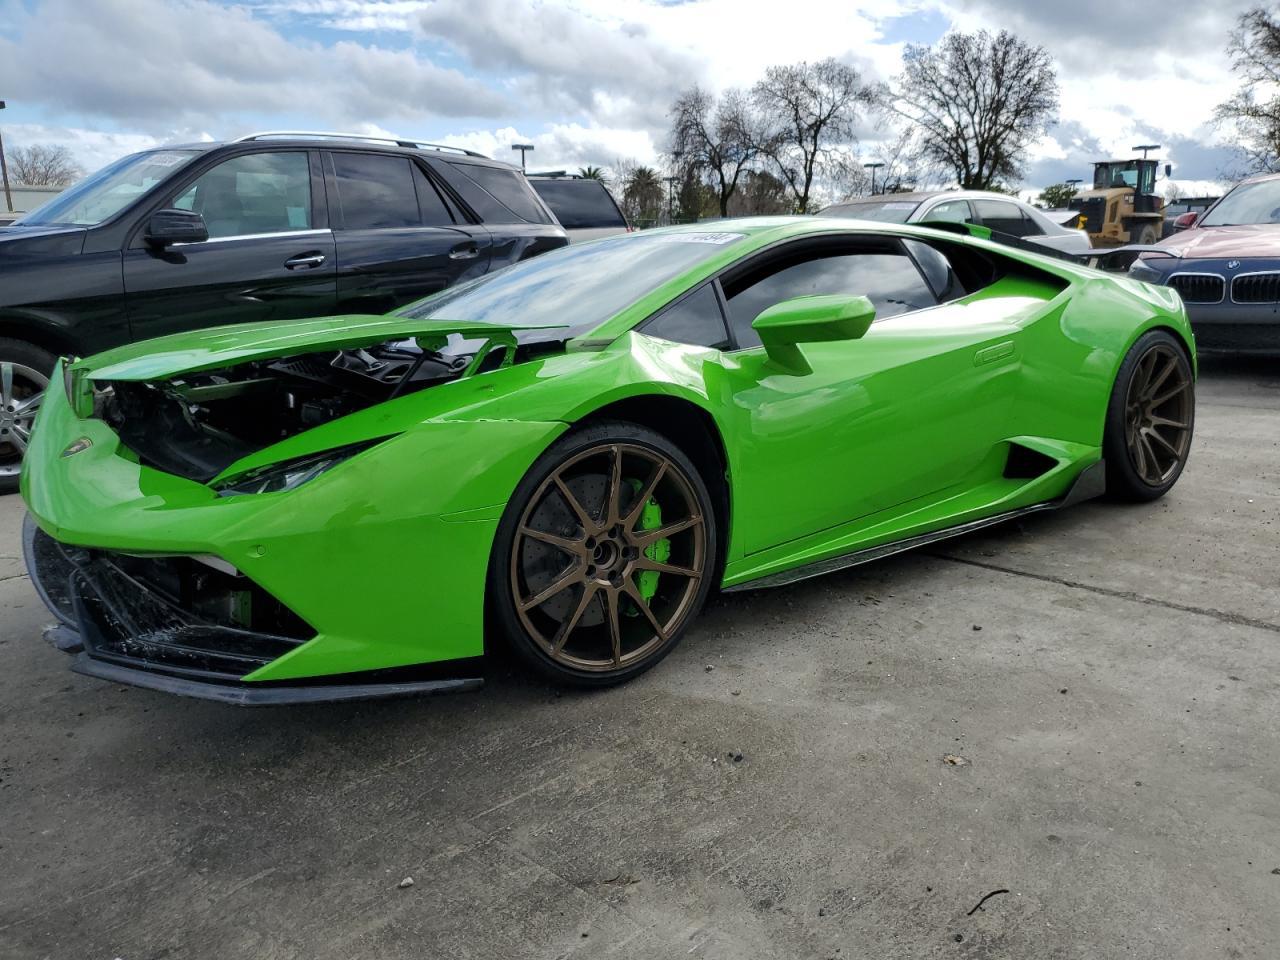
[(643, 195), (591, 173)]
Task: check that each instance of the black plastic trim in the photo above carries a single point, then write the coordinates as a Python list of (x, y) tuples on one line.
[(251, 696)]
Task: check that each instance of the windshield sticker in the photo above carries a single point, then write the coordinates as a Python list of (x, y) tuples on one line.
[(698, 237), (167, 159), (899, 205)]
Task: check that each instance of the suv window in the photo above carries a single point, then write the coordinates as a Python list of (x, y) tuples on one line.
[(890, 280), (580, 204), (696, 320), (256, 193), (1006, 217), (375, 191), (497, 194)]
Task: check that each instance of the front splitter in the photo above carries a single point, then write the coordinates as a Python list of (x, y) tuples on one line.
[(267, 696)]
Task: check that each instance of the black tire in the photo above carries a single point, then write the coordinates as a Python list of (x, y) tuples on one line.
[(1128, 440), (26, 364), (595, 652), (1144, 234)]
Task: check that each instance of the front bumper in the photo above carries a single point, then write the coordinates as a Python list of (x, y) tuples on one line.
[(382, 559), (1222, 320), (123, 625)]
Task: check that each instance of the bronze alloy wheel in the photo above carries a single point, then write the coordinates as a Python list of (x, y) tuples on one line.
[(1158, 412), (608, 557), (21, 389)]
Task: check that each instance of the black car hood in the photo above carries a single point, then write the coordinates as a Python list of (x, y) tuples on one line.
[(22, 240)]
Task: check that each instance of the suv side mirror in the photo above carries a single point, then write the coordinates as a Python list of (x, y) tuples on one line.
[(175, 226), (785, 325), (1186, 220)]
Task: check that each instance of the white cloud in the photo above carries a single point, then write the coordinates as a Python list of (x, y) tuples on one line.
[(160, 64)]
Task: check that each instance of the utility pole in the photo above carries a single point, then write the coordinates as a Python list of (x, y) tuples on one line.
[(4, 172), (873, 167), (523, 148)]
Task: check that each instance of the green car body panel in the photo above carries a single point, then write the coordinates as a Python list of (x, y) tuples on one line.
[(901, 432)]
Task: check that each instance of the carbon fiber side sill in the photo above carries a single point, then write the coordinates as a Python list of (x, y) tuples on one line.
[(1089, 483)]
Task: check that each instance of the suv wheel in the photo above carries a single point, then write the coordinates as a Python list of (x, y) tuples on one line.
[(24, 375)]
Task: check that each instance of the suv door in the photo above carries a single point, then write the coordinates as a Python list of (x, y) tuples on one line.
[(397, 239), (269, 256)]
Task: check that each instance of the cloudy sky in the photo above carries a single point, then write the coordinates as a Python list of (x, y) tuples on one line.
[(586, 81)]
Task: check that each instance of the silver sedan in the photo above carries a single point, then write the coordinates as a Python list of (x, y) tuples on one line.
[(998, 211)]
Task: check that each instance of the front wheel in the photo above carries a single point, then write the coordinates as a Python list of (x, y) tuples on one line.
[(1150, 418), (604, 556), (24, 375)]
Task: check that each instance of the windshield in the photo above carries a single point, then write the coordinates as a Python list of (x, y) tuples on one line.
[(1248, 203), (884, 211), (579, 286), (104, 194)]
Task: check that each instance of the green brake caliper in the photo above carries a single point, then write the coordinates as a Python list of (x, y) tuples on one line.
[(651, 519)]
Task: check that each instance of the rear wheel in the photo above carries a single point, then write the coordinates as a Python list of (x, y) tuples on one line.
[(24, 375), (1150, 418), (605, 555)]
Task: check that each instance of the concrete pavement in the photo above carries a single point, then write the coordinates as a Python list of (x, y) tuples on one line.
[(1117, 711)]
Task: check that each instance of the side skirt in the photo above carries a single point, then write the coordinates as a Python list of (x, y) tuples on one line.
[(1089, 483)]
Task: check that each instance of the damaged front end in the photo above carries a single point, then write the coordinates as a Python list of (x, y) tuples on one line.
[(159, 580)]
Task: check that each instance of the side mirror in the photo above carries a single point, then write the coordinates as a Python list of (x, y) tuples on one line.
[(1168, 170), (785, 325), (1186, 220), (175, 226)]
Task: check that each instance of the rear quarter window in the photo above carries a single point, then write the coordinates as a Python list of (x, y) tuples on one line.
[(580, 204), (499, 195)]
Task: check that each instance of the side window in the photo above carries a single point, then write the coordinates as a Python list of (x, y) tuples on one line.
[(497, 194), (950, 211), (937, 270), (696, 320), (375, 191), (1005, 217), (434, 212), (257, 193), (890, 280)]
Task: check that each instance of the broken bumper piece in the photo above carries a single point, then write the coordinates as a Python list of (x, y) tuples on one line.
[(183, 625)]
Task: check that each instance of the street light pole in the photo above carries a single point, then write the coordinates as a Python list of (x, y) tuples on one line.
[(1144, 147), (523, 148), (873, 167), (4, 171)]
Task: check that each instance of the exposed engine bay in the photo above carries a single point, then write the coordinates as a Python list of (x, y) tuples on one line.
[(197, 425)]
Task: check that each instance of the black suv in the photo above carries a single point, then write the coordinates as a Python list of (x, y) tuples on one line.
[(272, 226)]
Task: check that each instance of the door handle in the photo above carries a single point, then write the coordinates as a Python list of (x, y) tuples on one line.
[(304, 261), (469, 252)]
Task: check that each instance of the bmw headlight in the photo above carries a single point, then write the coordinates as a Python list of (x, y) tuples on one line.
[(1142, 270), (289, 474)]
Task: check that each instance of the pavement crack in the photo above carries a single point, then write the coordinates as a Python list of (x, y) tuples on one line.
[(14, 576), (1220, 615)]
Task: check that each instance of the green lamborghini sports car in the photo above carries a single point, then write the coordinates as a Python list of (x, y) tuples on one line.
[(572, 452)]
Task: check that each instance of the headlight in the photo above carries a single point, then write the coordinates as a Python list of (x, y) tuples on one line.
[(290, 474), (1141, 270)]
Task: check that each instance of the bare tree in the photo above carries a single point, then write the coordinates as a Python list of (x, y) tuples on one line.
[(978, 102), (44, 165), (720, 138), (1254, 111), (810, 112)]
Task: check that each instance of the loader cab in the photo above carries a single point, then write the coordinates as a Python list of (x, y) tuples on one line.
[(1136, 175)]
